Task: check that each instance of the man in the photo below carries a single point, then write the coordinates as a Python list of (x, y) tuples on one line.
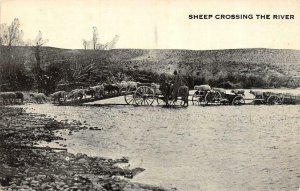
[(177, 83)]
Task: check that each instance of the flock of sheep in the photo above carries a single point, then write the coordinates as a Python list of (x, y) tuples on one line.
[(97, 91)]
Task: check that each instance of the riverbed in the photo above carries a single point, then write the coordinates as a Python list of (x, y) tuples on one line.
[(250, 147)]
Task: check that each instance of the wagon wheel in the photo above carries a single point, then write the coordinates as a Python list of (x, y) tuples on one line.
[(274, 100), (213, 97), (144, 96), (238, 100), (128, 96), (159, 100), (218, 98), (196, 98), (280, 100)]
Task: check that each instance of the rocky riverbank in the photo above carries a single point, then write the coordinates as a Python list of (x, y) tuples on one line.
[(25, 166)]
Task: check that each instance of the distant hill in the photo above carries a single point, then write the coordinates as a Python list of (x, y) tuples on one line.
[(207, 63)]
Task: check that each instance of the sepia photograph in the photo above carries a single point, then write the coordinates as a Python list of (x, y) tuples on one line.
[(150, 95)]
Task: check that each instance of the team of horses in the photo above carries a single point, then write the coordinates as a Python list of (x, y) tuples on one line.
[(171, 93)]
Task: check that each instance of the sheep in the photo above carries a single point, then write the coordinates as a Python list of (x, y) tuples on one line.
[(8, 97), (90, 92), (98, 90), (111, 88), (257, 94), (132, 85), (77, 93), (238, 91), (20, 96), (122, 85), (38, 97), (56, 96), (202, 88)]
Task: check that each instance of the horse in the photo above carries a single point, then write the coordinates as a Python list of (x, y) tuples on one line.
[(171, 93), (95, 91)]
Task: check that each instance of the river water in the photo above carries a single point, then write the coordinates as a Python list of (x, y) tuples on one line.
[(250, 147)]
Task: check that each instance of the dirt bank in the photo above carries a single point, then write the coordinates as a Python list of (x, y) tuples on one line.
[(23, 165)]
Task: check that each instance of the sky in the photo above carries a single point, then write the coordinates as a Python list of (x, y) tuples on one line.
[(157, 24)]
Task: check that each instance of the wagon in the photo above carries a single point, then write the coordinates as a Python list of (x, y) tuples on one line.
[(205, 95), (147, 94), (270, 98), (235, 97), (280, 98)]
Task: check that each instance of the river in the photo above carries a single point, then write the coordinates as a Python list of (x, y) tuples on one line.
[(250, 147)]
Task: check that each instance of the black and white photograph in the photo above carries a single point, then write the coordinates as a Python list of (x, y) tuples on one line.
[(150, 95)]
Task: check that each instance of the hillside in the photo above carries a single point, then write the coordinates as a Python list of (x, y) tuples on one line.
[(283, 61), (208, 64)]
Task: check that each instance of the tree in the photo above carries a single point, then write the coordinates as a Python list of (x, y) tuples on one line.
[(11, 35), (95, 37), (39, 73)]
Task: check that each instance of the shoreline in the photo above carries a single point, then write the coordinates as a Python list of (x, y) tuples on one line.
[(26, 166)]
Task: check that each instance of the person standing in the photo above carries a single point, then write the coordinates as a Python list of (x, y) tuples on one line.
[(177, 83)]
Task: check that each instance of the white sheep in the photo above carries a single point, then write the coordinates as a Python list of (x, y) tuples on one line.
[(38, 97)]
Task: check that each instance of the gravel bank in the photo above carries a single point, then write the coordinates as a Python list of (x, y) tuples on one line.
[(24, 165)]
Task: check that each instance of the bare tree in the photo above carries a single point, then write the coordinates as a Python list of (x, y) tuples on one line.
[(95, 37), (11, 34), (39, 42)]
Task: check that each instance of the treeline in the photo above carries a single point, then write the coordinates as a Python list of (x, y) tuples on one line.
[(66, 74), (230, 80), (19, 72)]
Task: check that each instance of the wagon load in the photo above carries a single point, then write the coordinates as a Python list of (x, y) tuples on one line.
[(238, 91), (221, 90), (202, 88)]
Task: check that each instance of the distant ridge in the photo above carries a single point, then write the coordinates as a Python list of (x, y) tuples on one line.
[(256, 60)]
